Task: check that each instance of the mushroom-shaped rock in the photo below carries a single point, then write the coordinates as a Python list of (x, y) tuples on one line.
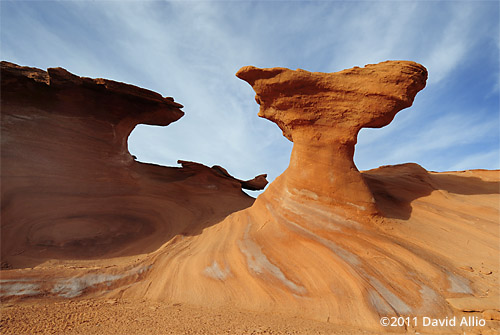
[(322, 114)]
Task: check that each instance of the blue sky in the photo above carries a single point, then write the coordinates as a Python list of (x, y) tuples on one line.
[(191, 50)]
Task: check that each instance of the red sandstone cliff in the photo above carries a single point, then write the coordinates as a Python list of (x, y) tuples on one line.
[(71, 189)]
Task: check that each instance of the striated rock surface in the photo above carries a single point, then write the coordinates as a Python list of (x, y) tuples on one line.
[(322, 114), (70, 188), (311, 246), (324, 241)]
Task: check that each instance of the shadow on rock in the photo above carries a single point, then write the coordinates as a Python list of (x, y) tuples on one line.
[(396, 187)]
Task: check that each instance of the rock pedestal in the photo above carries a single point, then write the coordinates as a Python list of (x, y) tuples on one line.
[(322, 114)]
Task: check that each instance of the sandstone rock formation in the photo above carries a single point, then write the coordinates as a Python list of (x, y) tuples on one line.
[(255, 184), (304, 248), (322, 114), (70, 188), (81, 218)]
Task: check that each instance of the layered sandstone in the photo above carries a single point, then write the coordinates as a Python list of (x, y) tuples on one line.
[(81, 218), (70, 187), (310, 246)]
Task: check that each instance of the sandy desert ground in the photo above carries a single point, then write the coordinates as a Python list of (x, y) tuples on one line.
[(111, 316)]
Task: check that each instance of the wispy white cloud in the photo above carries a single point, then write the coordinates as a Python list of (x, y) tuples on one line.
[(444, 133), (482, 160), (433, 142)]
